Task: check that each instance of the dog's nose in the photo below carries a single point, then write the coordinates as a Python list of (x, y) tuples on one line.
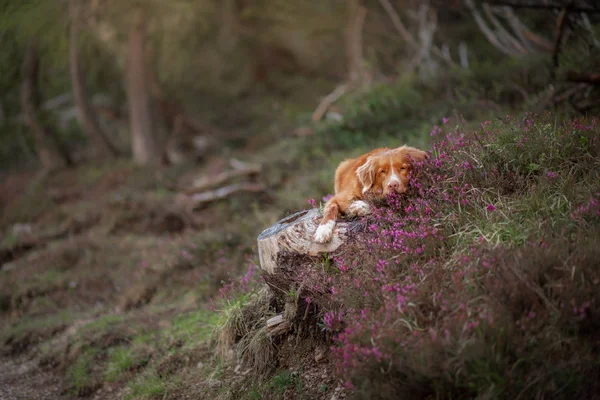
[(393, 185)]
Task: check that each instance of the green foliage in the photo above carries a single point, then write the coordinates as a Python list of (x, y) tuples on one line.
[(147, 386), (37, 327), (147, 348), (499, 84), (543, 171), (79, 374), (384, 114), (195, 327), (103, 323), (42, 20), (283, 381), (480, 310), (121, 360)]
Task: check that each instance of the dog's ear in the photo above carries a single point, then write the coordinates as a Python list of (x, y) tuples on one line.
[(415, 154), (366, 174)]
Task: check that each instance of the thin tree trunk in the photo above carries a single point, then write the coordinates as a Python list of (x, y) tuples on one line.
[(357, 71), (145, 147), (50, 152), (90, 122)]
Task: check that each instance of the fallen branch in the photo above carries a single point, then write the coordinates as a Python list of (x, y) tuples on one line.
[(518, 28), (501, 32), (358, 74), (277, 326), (328, 100), (487, 31), (203, 198), (237, 164), (406, 35), (398, 24), (205, 183), (11, 253), (527, 37)]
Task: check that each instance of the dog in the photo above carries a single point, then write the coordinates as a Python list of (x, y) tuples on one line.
[(375, 174)]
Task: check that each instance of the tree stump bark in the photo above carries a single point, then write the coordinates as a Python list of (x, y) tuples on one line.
[(287, 254), (294, 234)]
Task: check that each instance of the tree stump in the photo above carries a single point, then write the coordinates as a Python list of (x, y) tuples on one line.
[(287, 252), (287, 247), (295, 234)]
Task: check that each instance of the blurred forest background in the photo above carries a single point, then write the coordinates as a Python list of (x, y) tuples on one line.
[(144, 144)]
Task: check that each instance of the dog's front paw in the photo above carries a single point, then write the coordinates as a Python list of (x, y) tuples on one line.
[(324, 232), (358, 208)]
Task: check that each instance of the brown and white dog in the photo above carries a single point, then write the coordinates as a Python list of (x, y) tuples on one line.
[(377, 174)]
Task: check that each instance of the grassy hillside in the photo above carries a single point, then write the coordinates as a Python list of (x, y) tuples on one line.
[(481, 282)]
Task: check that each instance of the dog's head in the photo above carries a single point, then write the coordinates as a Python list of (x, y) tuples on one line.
[(388, 171)]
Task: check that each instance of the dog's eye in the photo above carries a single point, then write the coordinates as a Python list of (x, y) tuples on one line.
[(382, 171)]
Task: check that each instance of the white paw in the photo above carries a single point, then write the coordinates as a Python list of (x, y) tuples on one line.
[(358, 208), (324, 232)]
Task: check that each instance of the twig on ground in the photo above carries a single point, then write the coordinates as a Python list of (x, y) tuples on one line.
[(328, 100), (207, 183), (203, 198)]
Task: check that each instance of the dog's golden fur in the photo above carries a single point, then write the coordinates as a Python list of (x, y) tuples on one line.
[(377, 173)]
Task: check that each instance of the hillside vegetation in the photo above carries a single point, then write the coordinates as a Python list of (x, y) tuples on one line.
[(480, 282)]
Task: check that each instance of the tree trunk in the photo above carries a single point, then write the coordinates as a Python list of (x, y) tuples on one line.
[(145, 147), (357, 72), (50, 152), (90, 122)]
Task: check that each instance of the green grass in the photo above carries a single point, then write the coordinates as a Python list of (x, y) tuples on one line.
[(144, 339), (36, 325), (297, 169), (231, 323), (194, 327), (121, 359), (283, 381), (104, 323), (147, 386), (79, 375)]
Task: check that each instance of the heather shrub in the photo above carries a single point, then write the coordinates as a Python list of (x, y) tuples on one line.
[(480, 281)]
